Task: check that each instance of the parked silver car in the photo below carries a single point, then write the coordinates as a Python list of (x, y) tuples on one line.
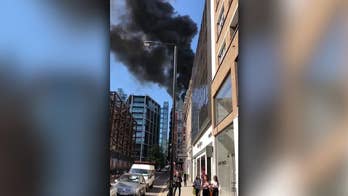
[(129, 184)]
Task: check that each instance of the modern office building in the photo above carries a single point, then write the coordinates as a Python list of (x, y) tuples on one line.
[(202, 139), (163, 139), (146, 113), (224, 92), (122, 127)]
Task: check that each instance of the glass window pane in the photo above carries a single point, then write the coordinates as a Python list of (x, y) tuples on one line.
[(139, 99), (226, 170), (204, 172), (137, 109), (223, 101), (138, 104)]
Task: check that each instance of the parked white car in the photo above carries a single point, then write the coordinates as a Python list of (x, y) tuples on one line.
[(147, 170)]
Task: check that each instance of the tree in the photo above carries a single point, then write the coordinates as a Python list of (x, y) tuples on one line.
[(156, 155)]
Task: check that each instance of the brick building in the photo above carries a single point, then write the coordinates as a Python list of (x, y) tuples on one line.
[(122, 127)]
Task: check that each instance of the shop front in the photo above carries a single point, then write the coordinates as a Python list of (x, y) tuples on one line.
[(226, 161), (203, 160)]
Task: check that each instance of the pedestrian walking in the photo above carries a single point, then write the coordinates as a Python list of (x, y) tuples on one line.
[(197, 185), (178, 181), (205, 186), (215, 186), (185, 179)]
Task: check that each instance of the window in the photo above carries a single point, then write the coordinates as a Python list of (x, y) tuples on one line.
[(139, 122), (139, 134), (138, 104), (223, 101), (139, 140), (198, 167), (222, 52), (203, 170), (225, 158), (234, 25), (137, 109), (221, 21), (138, 115), (139, 99)]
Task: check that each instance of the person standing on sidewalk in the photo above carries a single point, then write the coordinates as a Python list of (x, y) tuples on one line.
[(178, 181), (206, 186), (197, 185), (215, 186), (185, 179)]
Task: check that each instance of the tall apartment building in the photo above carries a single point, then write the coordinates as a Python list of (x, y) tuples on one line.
[(224, 92), (122, 125), (146, 113), (177, 141), (163, 140)]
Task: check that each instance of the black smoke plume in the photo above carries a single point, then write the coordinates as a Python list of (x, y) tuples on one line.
[(154, 20)]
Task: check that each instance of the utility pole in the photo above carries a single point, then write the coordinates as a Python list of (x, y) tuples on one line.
[(171, 146)]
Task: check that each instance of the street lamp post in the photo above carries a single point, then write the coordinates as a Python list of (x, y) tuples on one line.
[(171, 146)]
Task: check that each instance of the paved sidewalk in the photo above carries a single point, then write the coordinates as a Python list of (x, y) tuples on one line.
[(185, 190)]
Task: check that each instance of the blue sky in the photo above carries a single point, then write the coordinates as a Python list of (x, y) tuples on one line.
[(121, 78)]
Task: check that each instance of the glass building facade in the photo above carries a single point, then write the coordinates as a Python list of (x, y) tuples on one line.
[(163, 138), (201, 81), (146, 113)]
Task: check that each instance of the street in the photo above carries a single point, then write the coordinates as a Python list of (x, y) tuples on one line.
[(187, 119), (160, 183)]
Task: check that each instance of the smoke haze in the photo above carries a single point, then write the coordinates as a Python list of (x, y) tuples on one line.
[(154, 20)]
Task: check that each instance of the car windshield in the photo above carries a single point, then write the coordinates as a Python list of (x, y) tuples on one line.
[(129, 178), (139, 171)]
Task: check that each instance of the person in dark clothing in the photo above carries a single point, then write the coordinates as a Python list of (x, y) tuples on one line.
[(197, 185), (185, 179), (205, 186), (215, 186), (178, 181)]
